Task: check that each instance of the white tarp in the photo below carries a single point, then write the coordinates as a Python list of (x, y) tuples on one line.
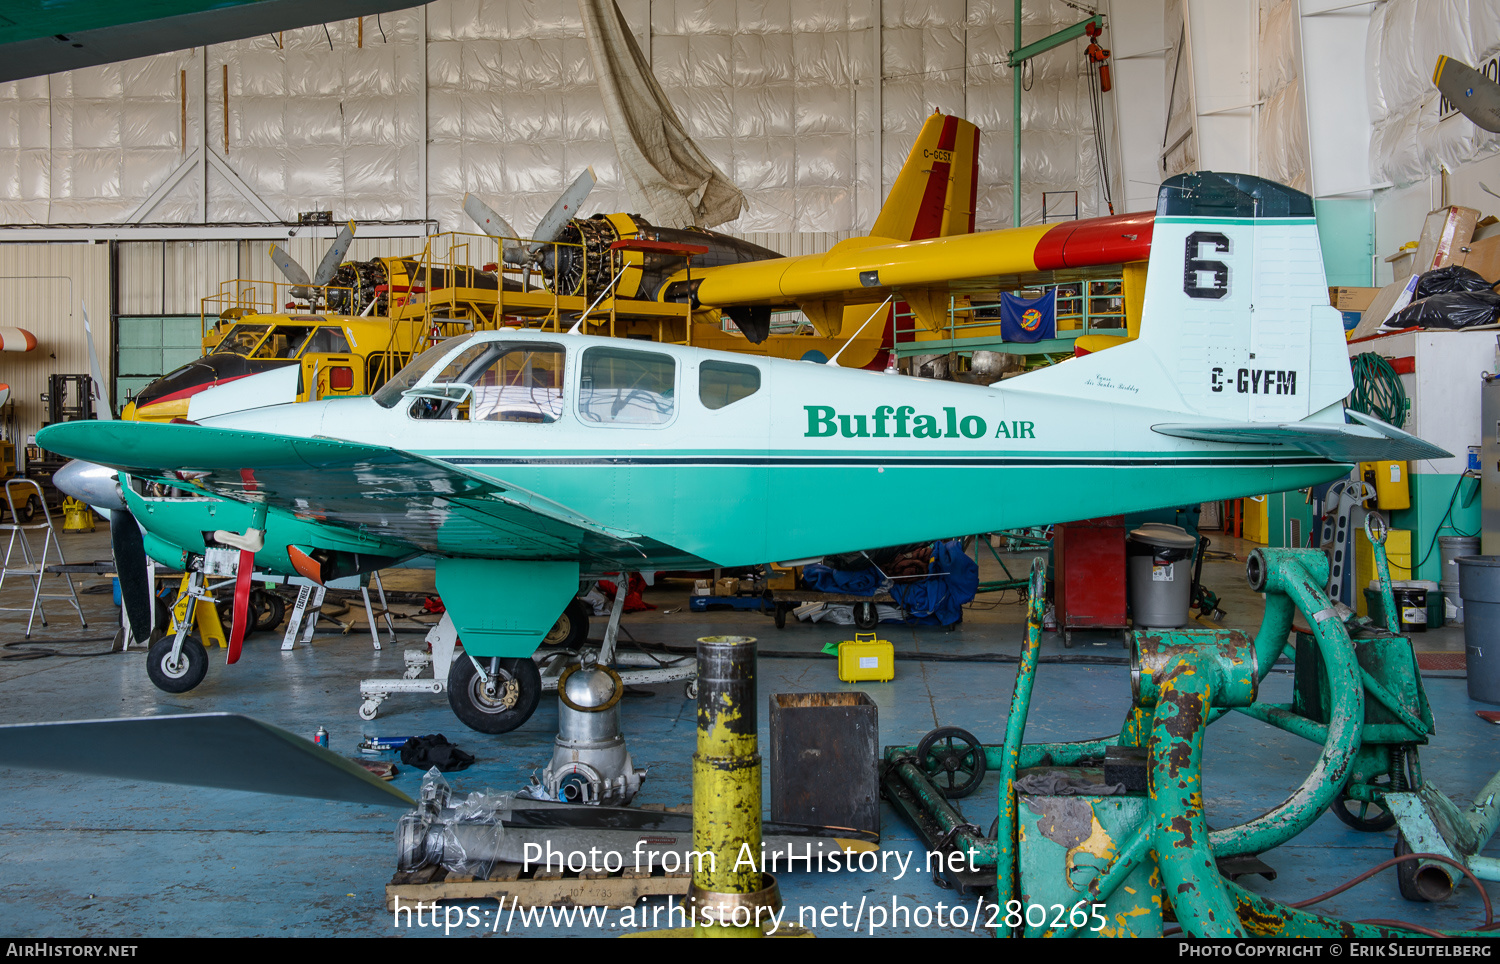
[(1282, 120), (778, 95), (669, 179), (1412, 135)]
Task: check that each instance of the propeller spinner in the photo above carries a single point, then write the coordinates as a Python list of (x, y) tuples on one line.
[(327, 268)]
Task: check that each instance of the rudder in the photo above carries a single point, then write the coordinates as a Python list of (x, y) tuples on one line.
[(934, 195)]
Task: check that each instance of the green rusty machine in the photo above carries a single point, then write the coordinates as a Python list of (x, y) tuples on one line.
[(1107, 837)]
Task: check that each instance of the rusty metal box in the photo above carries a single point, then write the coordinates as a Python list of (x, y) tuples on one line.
[(825, 753)]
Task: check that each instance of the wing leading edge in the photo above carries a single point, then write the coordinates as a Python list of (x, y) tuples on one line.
[(428, 504)]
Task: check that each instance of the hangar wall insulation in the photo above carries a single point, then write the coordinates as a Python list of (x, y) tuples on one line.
[(1412, 134), (779, 94)]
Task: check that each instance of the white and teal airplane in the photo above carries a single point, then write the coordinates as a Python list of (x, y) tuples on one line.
[(515, 461)]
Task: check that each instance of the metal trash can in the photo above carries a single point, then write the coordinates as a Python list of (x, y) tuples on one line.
[(1159, 575), (1479, 585), (1450, 548)]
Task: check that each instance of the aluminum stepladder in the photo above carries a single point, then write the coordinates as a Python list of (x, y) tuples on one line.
[(34, 566), (309, 604)]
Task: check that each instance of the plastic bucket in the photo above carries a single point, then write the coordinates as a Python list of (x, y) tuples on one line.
[(1479, 586), (1411, 606)]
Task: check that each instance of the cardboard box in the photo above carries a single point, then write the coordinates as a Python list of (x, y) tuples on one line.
[(727, 586), (1481, 257), (1374, 316), (1443, 233), (703, 587), (1351, 299)]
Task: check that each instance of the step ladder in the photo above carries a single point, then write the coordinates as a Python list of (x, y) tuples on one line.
[(31, 565)]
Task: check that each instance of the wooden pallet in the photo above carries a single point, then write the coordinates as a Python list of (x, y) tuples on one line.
[(536, 887)]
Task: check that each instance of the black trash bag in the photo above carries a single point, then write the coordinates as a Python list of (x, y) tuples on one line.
[(1459, 309), (1444, 281), (434, 750)]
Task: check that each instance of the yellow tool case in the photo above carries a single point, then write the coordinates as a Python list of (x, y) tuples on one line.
[(866, 658)]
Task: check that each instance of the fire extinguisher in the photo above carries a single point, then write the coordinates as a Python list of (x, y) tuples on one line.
[(1098, 55)]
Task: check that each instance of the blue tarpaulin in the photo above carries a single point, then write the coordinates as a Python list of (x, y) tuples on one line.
[(1028, 320), (935, 601)]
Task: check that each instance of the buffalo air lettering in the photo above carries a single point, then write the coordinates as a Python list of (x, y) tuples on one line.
[(1260, 381), (1016, 430), (903, 421)]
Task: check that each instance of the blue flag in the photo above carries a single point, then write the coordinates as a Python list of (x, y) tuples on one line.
[(1028, 321)]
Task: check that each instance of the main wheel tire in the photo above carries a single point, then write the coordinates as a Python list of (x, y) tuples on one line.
[(866, 616), (268, 608), (179, 677), (516, 690), (571, 628)]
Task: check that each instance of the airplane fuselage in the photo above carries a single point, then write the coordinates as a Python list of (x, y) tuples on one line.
[(816, 460)]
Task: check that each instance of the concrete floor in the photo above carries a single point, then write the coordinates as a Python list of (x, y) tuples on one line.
[(107, 858)]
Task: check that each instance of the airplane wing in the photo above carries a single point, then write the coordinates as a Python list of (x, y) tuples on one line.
[(425, 503), (1368, 440)]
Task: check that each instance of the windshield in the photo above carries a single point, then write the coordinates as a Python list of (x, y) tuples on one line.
[(241, 339), (390, 393)]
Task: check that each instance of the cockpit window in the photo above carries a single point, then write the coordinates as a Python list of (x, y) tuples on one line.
[(282, 342), (242, 339), (505, 382), (390, 393), (622, 387), (325, 341), (523, 383), (724, 383)]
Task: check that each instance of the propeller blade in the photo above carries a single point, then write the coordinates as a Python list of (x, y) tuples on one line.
[(1472, 93), (133, 571), (563, 209), (329, 266), (222, 750), (289, 266), (241, 620), (511, 252), (103, 410)]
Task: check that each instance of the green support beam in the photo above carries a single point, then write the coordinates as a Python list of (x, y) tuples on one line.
[(1018, 57)]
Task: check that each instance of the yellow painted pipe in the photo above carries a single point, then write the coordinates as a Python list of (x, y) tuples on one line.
[(726, 776)]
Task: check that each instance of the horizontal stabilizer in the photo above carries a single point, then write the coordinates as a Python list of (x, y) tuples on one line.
[(222, 750), (1367, 440)]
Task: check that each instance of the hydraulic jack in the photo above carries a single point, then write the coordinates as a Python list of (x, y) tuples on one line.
[(1107, 836)]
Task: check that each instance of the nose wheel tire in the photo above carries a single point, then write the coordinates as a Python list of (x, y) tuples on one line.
[(501, 703), (181, 674)]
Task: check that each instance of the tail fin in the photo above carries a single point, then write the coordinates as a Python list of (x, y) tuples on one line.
[(1236, 328), (1236, 323), (934, 194)]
